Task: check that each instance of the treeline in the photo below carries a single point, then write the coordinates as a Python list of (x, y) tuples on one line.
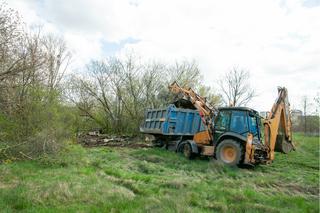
[(308, 124), (114, 93), (41, 107)]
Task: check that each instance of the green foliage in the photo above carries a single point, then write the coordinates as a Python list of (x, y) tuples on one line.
[(39, 127), (156, 180), (33, 118), (115, 92), (309, 124)]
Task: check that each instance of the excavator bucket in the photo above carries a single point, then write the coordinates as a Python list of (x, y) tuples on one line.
[(282, 145), (278, 125), (174, 87)]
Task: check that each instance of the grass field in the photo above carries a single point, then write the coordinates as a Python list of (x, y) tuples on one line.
[(155, 180)]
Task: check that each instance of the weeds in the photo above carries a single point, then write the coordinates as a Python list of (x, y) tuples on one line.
[(155, 180)]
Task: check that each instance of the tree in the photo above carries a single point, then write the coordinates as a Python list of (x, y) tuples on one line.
[(112, 93), (207, 92), (235, 87), (57, 59), (154, 82), (186, 74)]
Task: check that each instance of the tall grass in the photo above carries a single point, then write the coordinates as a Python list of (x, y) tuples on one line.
[(155, 180)]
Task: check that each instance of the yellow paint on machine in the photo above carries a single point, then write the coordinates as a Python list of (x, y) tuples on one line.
[(202, 137)]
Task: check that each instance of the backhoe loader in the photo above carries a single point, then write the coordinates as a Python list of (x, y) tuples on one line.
[(232, 135)]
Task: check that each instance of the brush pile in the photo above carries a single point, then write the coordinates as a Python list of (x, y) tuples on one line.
[(95, 139)]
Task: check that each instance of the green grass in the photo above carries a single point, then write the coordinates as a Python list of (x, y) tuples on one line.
[(155, 180)]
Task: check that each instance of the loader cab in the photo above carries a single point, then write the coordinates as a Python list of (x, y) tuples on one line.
[(237, 121)]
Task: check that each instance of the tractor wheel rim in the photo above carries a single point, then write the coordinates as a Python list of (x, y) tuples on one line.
[(228, 154)]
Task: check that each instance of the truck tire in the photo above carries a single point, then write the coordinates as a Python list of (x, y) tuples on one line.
[(158, 142), (229, 152), (187, 151)]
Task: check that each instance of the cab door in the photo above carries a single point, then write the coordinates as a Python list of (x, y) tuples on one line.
[(239, 122), (222, 123)]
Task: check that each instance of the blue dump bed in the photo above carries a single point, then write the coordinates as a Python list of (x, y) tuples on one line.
[(172, 121)]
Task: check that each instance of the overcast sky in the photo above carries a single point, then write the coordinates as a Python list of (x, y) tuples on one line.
[(278, 41)]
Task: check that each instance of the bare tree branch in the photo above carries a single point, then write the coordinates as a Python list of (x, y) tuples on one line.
[(235, 87)]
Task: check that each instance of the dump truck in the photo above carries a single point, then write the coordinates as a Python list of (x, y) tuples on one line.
[(172, 124), (232, 135)]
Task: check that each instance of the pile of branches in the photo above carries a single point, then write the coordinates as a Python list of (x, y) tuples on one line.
[(95, 139)]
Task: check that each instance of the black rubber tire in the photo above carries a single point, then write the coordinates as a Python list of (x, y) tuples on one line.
[(187, 151), (158, 142), (238, 151)]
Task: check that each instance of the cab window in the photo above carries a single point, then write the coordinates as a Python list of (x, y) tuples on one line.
[(223, 121), (253, 125), (239, 122)]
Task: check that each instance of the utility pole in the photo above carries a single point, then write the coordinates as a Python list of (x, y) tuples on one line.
[(305, 100)]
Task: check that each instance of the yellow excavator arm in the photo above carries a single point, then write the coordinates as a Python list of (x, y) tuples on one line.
[(206, 111), (277, 126)]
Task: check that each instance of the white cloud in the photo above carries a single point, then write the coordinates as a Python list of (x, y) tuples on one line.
[(277, 40), (84, 48)]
